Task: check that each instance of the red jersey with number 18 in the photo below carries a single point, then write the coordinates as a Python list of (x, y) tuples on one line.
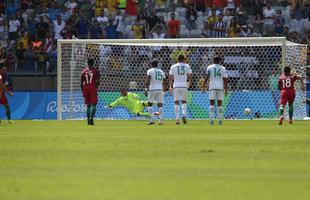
[(286, 86), (287, 82), (89, 80)]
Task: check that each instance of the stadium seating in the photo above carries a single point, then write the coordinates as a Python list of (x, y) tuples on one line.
[(71, 17)]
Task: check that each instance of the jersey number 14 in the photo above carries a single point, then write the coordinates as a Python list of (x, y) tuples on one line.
[(217, 73)]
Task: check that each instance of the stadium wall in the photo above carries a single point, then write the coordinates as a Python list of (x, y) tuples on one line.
[(308, 97), (42, 105)]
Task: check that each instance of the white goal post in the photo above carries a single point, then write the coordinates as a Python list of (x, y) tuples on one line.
[(253, 66)]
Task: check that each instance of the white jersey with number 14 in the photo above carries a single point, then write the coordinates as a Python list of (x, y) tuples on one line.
[(216, 74), (180, 72)]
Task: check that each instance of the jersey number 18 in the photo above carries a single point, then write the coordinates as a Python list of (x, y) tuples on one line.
[(286, 83)]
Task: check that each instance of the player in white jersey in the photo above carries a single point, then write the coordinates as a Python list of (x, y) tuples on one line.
[(155, 88), (181, 75), (217, 78)]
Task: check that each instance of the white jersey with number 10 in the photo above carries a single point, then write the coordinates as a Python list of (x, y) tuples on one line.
[(180, 72), (216, 74), (157, 77)]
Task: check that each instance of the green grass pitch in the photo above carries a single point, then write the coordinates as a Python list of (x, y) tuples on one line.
[(128, 160)]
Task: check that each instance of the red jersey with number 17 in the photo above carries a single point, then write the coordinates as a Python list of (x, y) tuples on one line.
[(90, 77)]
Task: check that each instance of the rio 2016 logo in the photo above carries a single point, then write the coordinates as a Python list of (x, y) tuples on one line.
[(72, 107)]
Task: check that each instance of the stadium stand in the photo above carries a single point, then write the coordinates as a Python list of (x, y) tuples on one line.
[(29, 29)]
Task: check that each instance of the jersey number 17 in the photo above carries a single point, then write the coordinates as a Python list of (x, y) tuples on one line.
[(89, 78)]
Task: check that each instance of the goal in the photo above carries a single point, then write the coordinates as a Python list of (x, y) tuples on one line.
[(253, 66)]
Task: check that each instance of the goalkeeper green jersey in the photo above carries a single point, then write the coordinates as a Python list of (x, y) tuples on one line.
[(131, 102)]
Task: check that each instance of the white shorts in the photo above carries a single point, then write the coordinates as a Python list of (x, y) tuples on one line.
[(180, 94), (216, 95), (156, 96)]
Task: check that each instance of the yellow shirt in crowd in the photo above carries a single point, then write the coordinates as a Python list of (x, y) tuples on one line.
[(137, 29)]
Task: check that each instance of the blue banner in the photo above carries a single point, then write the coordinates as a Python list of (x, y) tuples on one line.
[(43, 105), (308, 97), (32, 105)]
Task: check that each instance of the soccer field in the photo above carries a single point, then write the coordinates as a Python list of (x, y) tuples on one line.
[(68, 160)]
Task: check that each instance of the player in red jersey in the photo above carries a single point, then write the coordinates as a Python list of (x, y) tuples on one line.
[(5, 87), (89, 83), (286, 87)]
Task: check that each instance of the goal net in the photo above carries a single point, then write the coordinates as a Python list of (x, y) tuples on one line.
[(253, 66)]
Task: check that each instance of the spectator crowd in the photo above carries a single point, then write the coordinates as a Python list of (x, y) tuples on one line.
[(29, 29)]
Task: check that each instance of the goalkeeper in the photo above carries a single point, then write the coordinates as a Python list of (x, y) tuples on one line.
[(132, 102)]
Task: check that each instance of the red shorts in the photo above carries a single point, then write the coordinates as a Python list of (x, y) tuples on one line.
[(90, 95), (287, 97), (3, 100)]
